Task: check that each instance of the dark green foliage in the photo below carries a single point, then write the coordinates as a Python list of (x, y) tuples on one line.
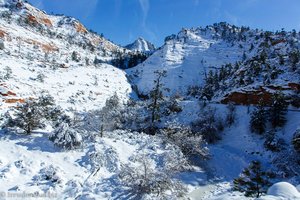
[(277, 110), (294, 57), (33, 114), (230, 118), (125, 61), (258, 120), (28, 116), (295, 100), (172, 106), (253, 181), (296, 140), (156, 97), (273, 143), (208, 126)]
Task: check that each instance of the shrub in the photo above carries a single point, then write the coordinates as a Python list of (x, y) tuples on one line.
[(189, 143), (144, 180), (207, 126), (66, 137)]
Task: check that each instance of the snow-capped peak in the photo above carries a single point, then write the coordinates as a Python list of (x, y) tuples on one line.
[(141, 45), (8, 2)]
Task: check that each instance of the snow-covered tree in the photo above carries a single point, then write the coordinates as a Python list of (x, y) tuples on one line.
[(110, 114), (27, 116), (208, 125), (66, 137), (189, 143), (258, 119), (156, 97), (253, 181), (106, 119), (144, 180), (296, 140), (103, 156), (277, 110), (230, 118)]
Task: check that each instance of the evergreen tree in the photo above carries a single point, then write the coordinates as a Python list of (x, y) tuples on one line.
[(66, 137), (230, 118), (156, 97), (110, 115), (258, 119), (296, 140), (28, 116), (253, 181), (278, 110)]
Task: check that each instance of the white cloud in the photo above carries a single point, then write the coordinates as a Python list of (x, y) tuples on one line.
[(145, 8)]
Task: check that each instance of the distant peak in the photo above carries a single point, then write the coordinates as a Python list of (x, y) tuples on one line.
[(141, 45)]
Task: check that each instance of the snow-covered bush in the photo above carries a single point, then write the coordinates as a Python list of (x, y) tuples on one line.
[(172, 106), (48, 175), (66, 137), (1, 45), (6, 74), (103, 157), (273, 142), (108, 118), (189, 143), (143, 180), (134, 116), (287, 162), (208, 126)]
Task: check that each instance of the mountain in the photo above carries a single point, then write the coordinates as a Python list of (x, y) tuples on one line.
[(141, 45), (84, 118), (242, 61), (49, 52)]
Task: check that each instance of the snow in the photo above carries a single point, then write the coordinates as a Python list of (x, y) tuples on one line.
[(186, 61), (32, 163), (141, 45), (282, 190)]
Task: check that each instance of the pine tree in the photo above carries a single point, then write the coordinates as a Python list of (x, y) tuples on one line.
[(258, 119), (278, 110), (156, 97), (253, 181), (66, 137), (28, 116), (296, 140), (110, 115), (230, 118)]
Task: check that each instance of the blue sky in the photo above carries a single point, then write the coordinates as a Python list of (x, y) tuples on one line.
[(122, 21)]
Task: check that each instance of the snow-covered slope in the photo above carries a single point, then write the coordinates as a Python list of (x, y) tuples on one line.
[(237, 58), (186, 58), (59, 55), (141, 45)]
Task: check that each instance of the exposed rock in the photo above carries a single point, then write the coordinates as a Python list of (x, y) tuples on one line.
[(45, 47), (2, 33), (80, 28), (294, 86), (14, 100), (247, 97), (253, 97)]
